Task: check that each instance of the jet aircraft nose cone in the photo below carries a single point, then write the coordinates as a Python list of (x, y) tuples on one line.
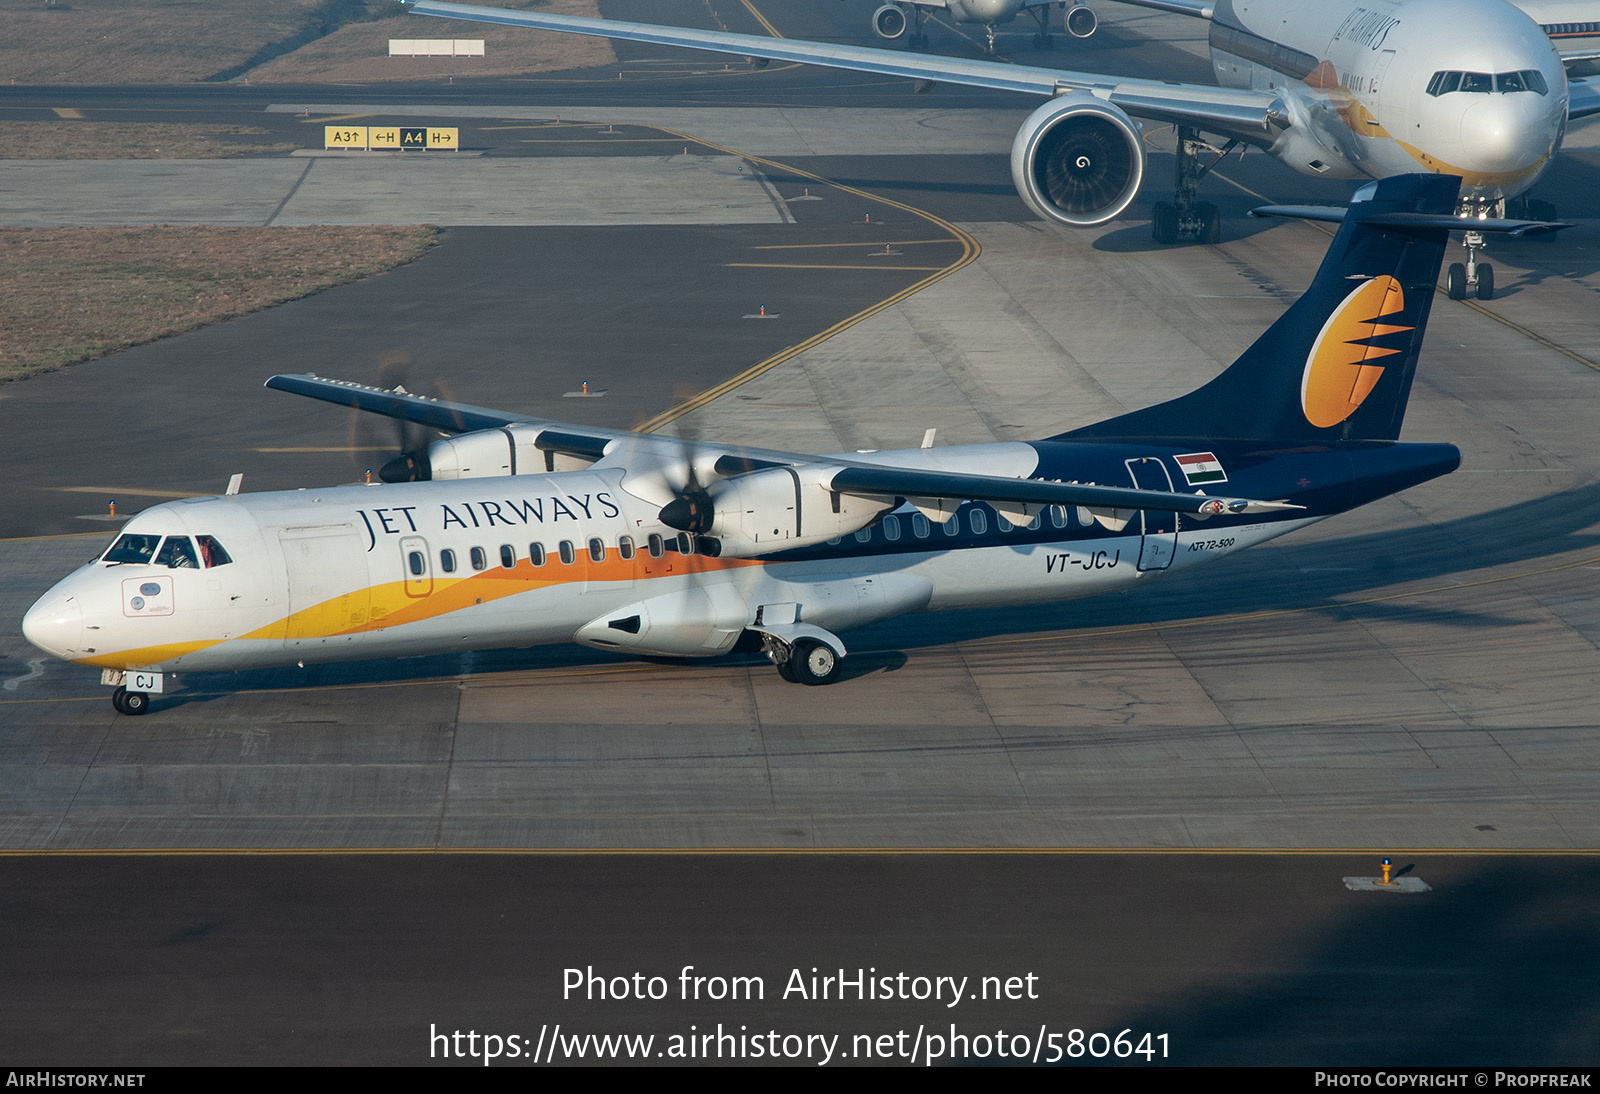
[(55, 625), (1505, 133)]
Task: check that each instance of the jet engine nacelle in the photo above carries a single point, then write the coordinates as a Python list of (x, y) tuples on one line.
[(1078, 160), (782, 507), (890, 21), (1081, 21)]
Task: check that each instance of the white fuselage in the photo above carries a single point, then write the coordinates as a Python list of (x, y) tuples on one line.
[(1385, 87), (398, 570)]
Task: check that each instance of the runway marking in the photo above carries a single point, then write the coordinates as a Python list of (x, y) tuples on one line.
[(762, 19), (590, 140), (969, 253), (819, 246), (322, 119), (328, 448), (66, 112), (132, 492), (819, 266)]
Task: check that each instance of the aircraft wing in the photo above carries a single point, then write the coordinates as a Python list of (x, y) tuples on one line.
[(1244, 114), (443, 415), (1585, 97), (1200, 9), (844, 475)]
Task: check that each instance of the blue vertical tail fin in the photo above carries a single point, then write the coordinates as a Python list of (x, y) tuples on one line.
[(1338, 364)]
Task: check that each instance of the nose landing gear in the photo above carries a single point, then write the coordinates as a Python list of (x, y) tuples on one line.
[(130, 702), (1473, 276)]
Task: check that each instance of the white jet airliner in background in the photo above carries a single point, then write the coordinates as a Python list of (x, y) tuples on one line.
[(1339, 89), (517, 531), (893, 19)]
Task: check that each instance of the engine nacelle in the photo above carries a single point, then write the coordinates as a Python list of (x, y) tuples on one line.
[(1081, 21), (482, 453), (890, 22), (782, 507), (1078, 160)]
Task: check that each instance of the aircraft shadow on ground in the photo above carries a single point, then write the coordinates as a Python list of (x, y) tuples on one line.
[(1311, 576)]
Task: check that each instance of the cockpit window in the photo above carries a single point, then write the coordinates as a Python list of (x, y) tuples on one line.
[(1481, 83), (131, 547), (211, 552), (1444, 82), (178, 553)]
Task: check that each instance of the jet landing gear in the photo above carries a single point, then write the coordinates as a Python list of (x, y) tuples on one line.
[(1186, 216), (1475, 276)]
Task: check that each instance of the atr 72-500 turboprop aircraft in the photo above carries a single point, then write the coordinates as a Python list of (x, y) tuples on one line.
[(529, 531), (1338, 89)]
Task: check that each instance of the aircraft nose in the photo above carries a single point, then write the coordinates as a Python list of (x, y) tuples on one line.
[(55, 625), (1505, 133)]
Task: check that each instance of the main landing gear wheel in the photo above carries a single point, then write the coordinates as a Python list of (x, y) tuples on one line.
[(812, 662), (1164, 222), (130, 702), (1485, 281), (1455, 281)]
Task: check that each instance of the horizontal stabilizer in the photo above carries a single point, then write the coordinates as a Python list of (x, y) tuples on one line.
[(1336, 214)]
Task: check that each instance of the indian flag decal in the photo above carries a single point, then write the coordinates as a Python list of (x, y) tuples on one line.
[(1201, 467)]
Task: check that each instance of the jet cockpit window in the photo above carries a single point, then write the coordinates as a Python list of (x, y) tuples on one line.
[(1477, 82), (1533, 80), (178, 553), (1509, 81), (132, 547), (211, 552), (1443, 83)]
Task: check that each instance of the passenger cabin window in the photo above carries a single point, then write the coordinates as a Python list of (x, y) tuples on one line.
[(891, 528), (1058, 516), (864, 536), (178, 553), (480, 558), (658, 546), (536, 553), (625, 547), (508, 556), (980, 523), (211, 552), (597, 550), (919, 526), (416, 562), (447, 561), (568, 553), (132, 548), (952, 527), (1002, 523)]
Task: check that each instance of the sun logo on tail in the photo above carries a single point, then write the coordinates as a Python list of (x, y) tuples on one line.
[(1343, 366)]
